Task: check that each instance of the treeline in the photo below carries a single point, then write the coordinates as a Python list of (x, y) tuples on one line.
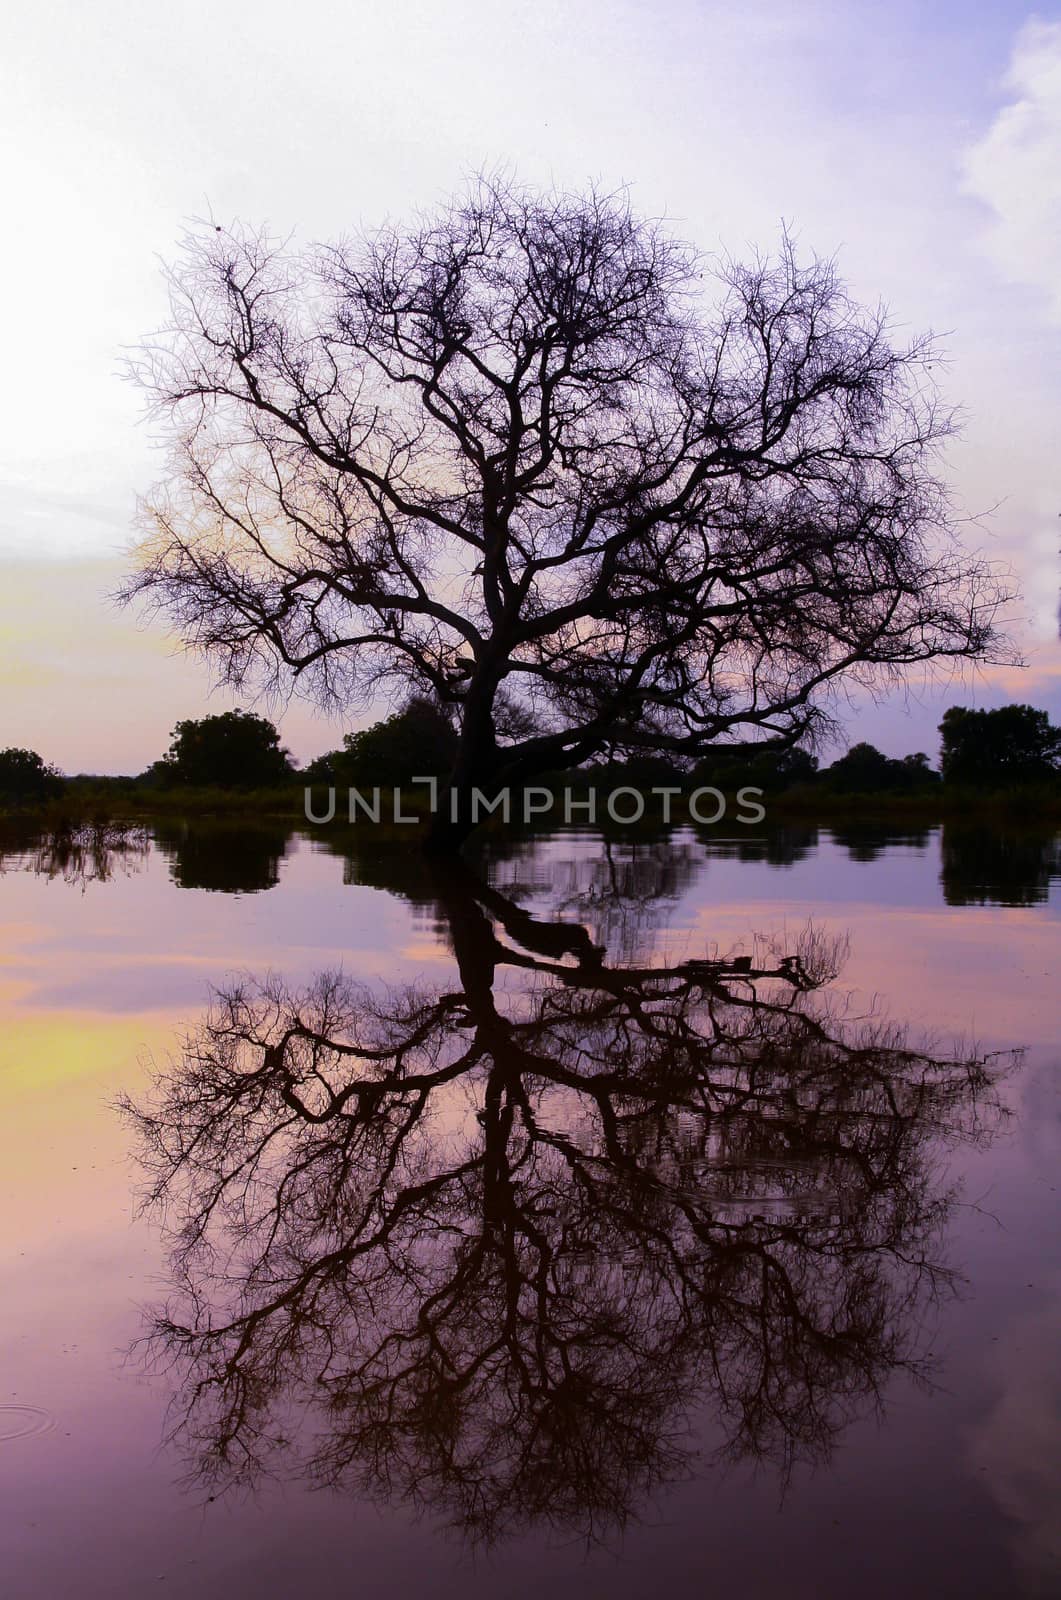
[(238, 751)]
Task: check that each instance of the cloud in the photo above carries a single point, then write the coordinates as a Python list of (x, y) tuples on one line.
[(1017, 1446), (1015, 169)]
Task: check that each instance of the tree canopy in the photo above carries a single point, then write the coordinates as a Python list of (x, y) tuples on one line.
[(537, 460), (1013, 744), (866, 770), (417, 741), (235, 750), (767, 765), (26, 776)]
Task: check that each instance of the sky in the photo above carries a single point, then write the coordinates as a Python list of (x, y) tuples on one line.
[(920, 143)]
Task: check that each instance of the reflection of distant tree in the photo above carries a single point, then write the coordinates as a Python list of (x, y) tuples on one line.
[(868, 841), (228, 859), (496, 1240), (991, 866), (79, 853), (618, 890), (779, 847)]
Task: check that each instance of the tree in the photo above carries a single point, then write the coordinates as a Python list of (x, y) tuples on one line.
[(418, 740), (867, 770), (24, 776), (919, 768), (1015, 744), (515, 460), (766, 765), (236, 750), (863, 769)]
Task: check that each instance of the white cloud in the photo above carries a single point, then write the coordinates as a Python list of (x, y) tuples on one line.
[(1015, 169)]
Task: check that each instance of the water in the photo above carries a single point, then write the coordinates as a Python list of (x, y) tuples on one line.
[(616, 1218)]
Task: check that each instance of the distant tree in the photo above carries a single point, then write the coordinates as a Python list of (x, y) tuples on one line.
[(1014, 744), (540, 461), (863, 769), (867, 770), (25, 776), (418, 740), (920, 768), (638, 771), (322, 769), (763, 766), (236, 750)]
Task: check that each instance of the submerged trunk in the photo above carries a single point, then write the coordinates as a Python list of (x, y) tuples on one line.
[(444, 836)]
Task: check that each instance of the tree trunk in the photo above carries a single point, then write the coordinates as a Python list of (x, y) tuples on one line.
[(475, 767)]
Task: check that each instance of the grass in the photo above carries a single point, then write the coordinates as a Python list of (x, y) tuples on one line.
[(95, 802), (939, 802)]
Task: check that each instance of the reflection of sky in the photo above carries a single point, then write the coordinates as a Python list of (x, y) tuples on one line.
[(985, 971), (93, 983), (1017, 1445), (138, 943)]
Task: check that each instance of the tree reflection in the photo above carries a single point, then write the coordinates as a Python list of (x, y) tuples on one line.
[(1011, 866), (869, 841), (486, 1248), (229, 859), (78, 853)]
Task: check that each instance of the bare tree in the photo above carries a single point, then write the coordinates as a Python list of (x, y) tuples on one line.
[(519, 459)]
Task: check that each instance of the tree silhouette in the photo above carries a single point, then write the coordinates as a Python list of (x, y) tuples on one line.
[(234, 750), (515, 460), (864, 769), (417, 741), (493, 1244), (1012, 744), (25, 776)]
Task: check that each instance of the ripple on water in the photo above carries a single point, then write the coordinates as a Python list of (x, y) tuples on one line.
[(22, 1422)]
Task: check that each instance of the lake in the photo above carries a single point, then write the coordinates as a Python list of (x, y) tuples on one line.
[(597, 1217)]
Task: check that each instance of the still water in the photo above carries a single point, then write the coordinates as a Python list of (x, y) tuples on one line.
[(598, 1218)]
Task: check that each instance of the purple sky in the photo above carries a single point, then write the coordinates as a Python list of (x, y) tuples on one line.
[(920, 142)]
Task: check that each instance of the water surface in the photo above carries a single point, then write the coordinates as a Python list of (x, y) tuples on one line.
[(618, 1217)]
